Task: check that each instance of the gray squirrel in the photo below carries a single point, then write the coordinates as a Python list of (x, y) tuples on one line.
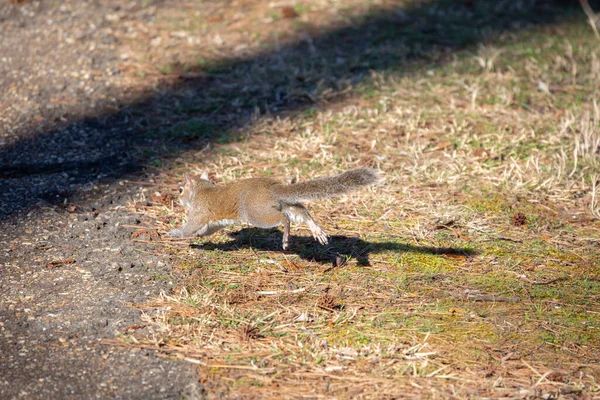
[(261, 202)]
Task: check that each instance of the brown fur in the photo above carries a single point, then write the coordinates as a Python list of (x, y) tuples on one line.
[(328, 187), (262, 202)]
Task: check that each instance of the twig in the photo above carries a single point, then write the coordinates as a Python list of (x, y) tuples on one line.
[(542, 378), (585, 4), (137, 226), (508, 239), (325, 308), (483, 297), (275, 292), (323, 341), (115, 342), (524, 278), (194, 361), (437, 371), (269, 261), (169, 242), (239, 367), (60, 263), (562, 278), (337, 377), (165, 185)]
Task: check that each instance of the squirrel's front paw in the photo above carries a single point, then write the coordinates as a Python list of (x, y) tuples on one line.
[(176, 233)]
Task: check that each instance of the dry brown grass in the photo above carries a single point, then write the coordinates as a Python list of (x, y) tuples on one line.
[(342, 331), (431, 287)]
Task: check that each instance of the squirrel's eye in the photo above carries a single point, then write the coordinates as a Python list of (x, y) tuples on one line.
[(180, 190)]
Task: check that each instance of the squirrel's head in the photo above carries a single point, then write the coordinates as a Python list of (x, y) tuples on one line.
[(190, 184)]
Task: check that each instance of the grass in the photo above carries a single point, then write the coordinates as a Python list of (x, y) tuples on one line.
[(431, 287)]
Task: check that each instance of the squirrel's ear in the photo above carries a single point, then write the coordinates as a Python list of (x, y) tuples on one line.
[(204, 176)]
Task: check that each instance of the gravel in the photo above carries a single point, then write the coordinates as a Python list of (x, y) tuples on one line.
[(70, 275)]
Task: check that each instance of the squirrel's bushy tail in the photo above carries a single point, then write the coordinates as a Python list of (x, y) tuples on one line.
[(327, 187)]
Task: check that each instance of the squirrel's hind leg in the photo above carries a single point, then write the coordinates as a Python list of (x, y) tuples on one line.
[(298, 213), (286, 232)]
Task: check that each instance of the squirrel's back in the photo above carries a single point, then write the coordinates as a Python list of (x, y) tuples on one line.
[(262, 202)]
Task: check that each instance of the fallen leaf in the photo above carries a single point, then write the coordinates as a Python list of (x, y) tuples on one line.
[(60, 263), (288, 12), (217, 18)]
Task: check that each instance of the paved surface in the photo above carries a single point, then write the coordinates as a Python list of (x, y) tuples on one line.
[(69, 280), (69, 272)]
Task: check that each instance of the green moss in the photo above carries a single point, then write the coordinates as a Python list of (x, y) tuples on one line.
[(425, 263)]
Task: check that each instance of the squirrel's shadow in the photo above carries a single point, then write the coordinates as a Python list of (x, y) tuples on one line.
[(339, 250)]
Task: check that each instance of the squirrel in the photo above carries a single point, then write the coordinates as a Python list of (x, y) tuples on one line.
[(262, 202)]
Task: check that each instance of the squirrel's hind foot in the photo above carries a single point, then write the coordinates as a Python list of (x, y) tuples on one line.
[(319, 234)]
